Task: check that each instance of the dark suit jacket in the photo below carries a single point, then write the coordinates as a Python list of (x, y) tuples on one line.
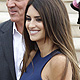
[(7, 68)]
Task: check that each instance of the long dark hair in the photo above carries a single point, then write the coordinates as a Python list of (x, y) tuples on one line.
[(57, 28)]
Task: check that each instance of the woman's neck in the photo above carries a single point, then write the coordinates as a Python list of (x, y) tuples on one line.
[(46, 47)]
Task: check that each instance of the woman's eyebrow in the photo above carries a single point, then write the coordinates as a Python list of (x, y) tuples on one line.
[(34, 16), (37, 16)]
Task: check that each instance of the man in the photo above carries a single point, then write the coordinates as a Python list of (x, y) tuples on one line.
[(12, 46)]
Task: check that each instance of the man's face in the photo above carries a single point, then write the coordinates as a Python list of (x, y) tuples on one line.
[(16, 9)]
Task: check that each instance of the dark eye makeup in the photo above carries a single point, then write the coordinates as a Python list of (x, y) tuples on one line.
[(28, 19), (37, 18)]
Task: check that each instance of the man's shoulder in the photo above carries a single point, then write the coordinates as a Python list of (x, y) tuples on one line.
[(5, 23)]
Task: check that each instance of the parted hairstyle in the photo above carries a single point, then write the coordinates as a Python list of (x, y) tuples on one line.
[(57, 28)]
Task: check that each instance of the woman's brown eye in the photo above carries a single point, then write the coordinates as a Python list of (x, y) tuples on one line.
[(38, 19), (28, 19)]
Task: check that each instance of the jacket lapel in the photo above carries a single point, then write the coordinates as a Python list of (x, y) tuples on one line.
[(7, 42)]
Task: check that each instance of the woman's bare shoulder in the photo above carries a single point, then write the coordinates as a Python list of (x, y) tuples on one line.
[(57, 66), (58, 60)]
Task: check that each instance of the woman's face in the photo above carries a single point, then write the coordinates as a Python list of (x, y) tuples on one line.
[(34, 25)]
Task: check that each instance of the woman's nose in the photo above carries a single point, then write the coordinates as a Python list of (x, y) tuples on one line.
[(32, 24)]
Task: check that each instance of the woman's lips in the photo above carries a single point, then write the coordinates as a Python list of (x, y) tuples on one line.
[(33, 32)]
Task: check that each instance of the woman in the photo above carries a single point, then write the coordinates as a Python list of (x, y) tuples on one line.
[(48, 33)]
